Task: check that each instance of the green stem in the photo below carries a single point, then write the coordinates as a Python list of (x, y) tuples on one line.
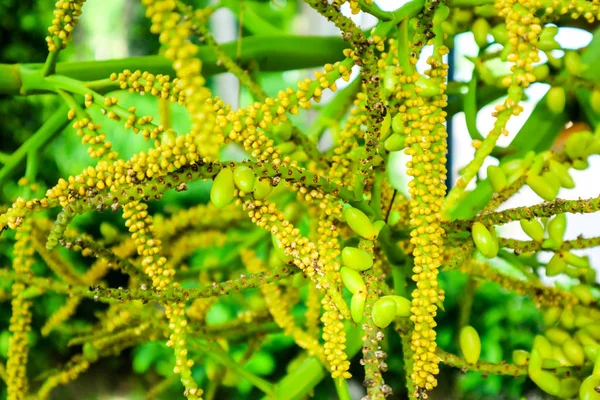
[(294, 52), (376, 11), (225, 360), (253, 22), (470, 108), (4, 157), (53, 126), (50, 65), (481, 366), (546, 209), (299, 383), (341, 388), (526, 246)]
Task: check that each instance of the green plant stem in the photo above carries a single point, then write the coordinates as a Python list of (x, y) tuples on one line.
[(50, 65), (53, 126), (294, 52), (467, 303), (225, 360), (375, 11), (546, 209), (341, 388), (481, 366), (253, 22), (299, 383), (526, 246)]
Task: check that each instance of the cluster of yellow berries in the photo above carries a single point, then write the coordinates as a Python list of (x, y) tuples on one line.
[(144, 82), (66, 16)]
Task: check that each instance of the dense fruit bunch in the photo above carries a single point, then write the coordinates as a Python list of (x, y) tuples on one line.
[(317, 230)]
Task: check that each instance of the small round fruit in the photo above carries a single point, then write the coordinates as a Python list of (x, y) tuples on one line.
[(359, 223), (484, 240), (590, 388), (546, 381), (403, 305), (470, 344), (244, 178), (556, 100), (223, 188), (357, 306), (533, 228), (262, 188), (384, 311), (352, 280), (280, 250), (356, 258)]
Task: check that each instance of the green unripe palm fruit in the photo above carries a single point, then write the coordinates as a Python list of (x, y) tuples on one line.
[(480, 29), (547, 41), (500, 33), (533, 228), (535, 361), (359, 223), (556, 99), (593, 330), (90, 352), (223, 188), (497, 178), (283, 131), (559, 355), (470, 344), (546, 381), (575, 260), (299, 280), (562, 172), (573, 63), (574, 352), (395, 142), (557, 227), (583, 293), (357, 306), (244, 178), (398, 123), (484, 240), (557, 336), (428, 88), (592, 352), (578, 145), (384, 311), (352, 280), (280, 251), (356, 258), (541, 72), (569, 387), (520, 357), (512, 166), (567, 319), (403, 305), (542, 187), (589, 389), (262, 188), (581, 165), (386, 125), (551, 316), (542, 346), (595, 101), (585, 339)]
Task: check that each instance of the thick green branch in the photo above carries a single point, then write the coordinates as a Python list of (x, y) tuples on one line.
[(293, 52)]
